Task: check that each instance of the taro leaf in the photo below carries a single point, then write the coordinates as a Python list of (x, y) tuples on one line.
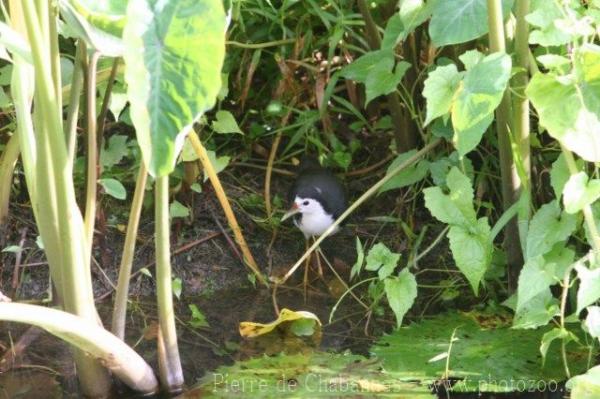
[(592, 321), (569, 107), (114, 188), (487, 356), (382, 260), (559, 175), (382, 80), (363, 66), (401, 292), (458, 21), (548, 227), (114, 152), (538, 311), (310, 375), (579, 192), (360, 258), (106, 43), (408, 176), (586, 386), (178, 210), (174, 53), (225, 123), (589, 287), (106, 15), (15, 42), (478, 96), (455, 208), (472, 250), (439, 90)]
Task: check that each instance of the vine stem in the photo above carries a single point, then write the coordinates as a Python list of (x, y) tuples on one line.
[(563, 307), (372, 190)]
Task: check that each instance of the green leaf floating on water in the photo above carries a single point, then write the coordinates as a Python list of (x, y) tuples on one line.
[(488, 355), (314, 375), (173, 57)]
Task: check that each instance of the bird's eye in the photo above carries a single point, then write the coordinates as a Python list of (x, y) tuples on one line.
[(305, 203)]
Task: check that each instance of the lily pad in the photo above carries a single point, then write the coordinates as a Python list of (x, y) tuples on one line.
[(486, 354)]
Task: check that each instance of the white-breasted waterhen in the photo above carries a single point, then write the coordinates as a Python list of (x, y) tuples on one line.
[(317, 199)]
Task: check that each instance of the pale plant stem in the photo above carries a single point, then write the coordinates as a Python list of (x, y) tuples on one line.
[(121, 295), (171, 372), (76, 278), (73, 108), (92, 152)]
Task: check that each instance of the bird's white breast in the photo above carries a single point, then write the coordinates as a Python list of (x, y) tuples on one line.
[(314, 223)]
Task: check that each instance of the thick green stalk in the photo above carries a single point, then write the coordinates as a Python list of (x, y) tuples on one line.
[(123, 361), (73, 108), (78, 295), (8, 160), (92, 152), (510, 179), (120, 307), (171, 374)]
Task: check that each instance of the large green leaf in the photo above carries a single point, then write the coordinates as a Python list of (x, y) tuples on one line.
[(458, 21), (478, 96), (488, 355), (543, 17), (401, 292), (580, 191), (455, 208), (586, 386), (589, 288), (569, 106), (534, 279), (308, 375), (548, 227), (472, 251), (560, 174), (103, 41), (538, 311), (439, 90), (174, 53), (412, 14), (382, 260)]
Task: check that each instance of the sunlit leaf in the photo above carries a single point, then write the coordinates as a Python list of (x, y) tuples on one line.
[(589, 286), (569, 106), (439, 90), (382, 260), (579, 192), (585, 386), (458, 21)]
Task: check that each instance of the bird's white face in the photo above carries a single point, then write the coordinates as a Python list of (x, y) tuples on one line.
[(308, 206)]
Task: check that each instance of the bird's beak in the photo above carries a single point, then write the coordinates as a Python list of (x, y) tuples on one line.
[(293, 210)]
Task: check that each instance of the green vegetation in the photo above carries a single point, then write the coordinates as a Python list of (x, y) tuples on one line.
[(472, 120)]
